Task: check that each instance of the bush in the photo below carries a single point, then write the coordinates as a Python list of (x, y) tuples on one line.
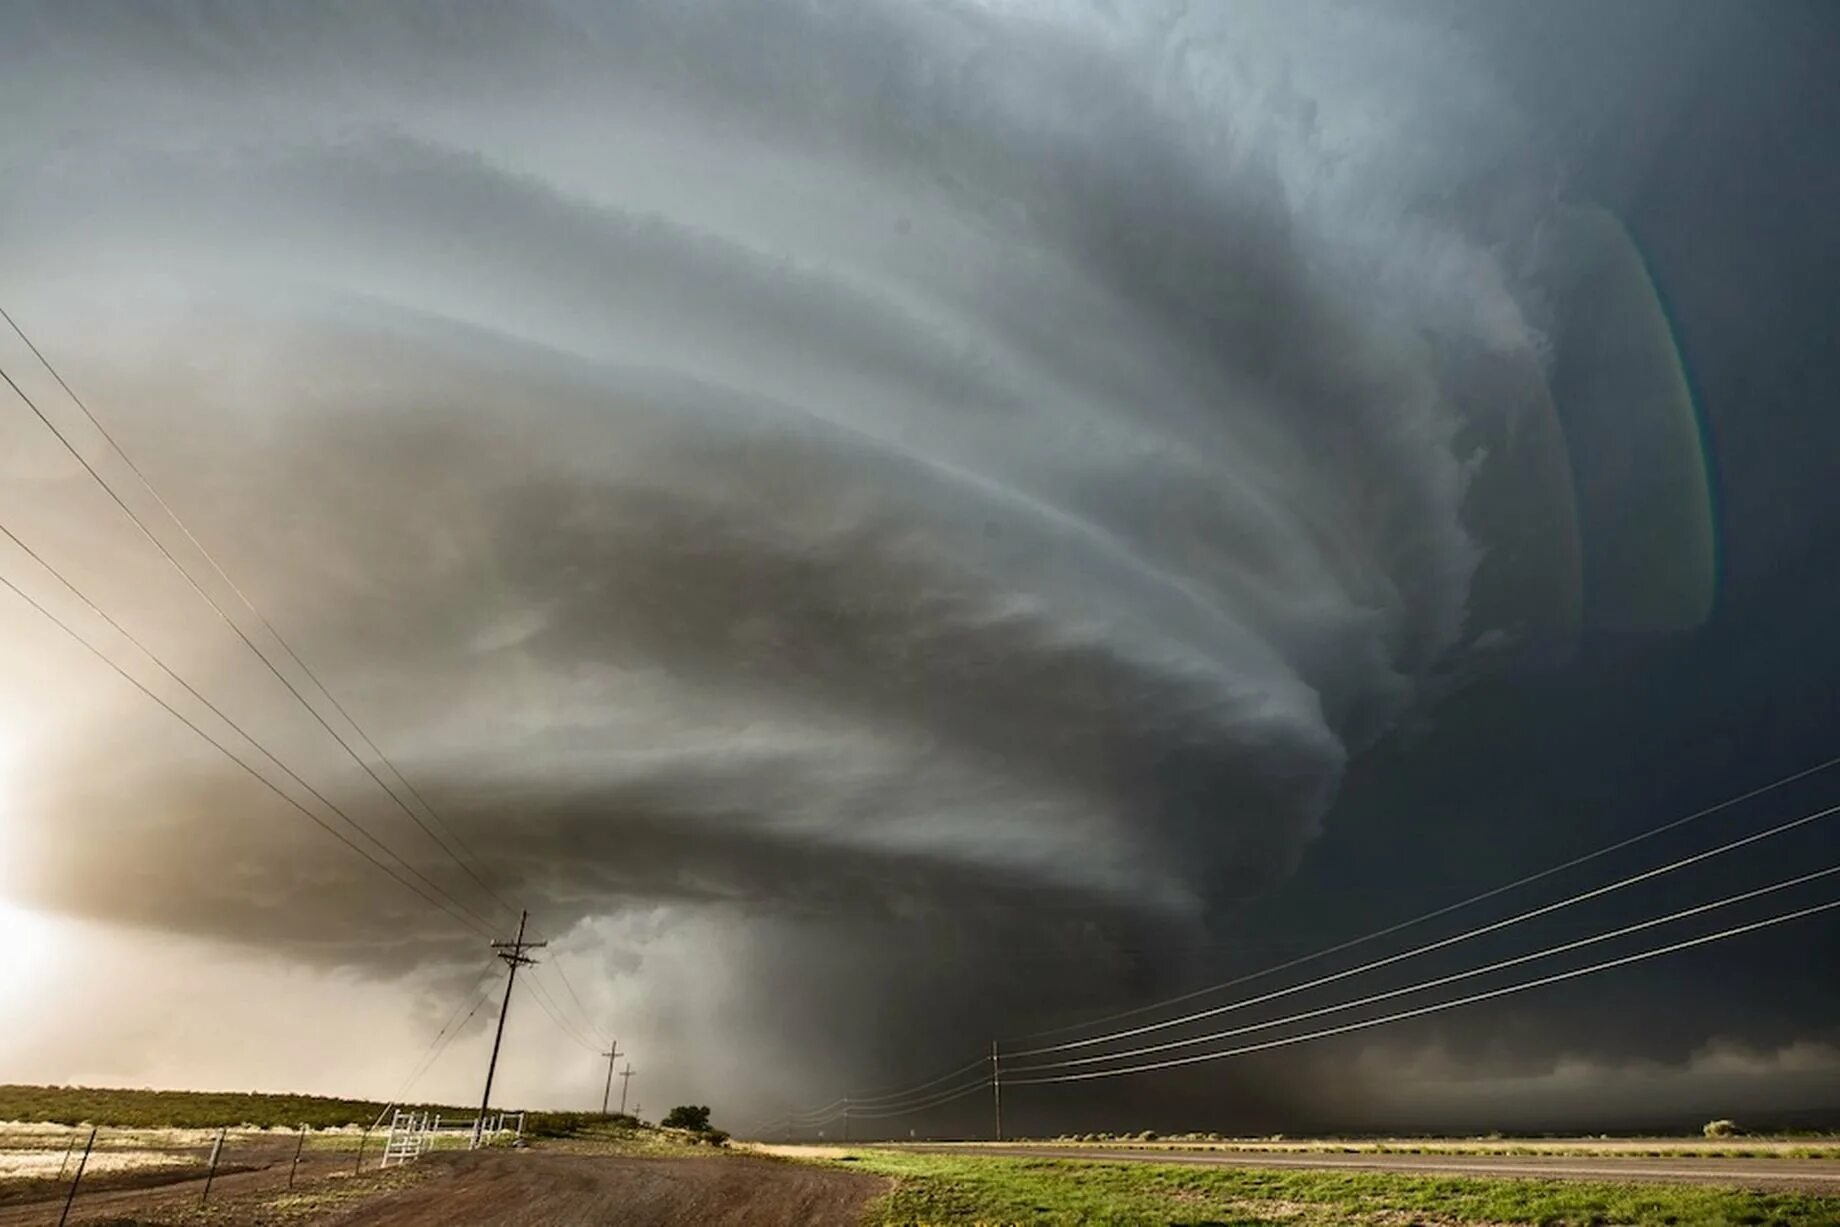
[(568, 1124), (689, 1116), (1720, 1128)]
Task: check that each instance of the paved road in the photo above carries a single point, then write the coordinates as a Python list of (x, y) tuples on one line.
[(1801, 1175), (535, 1188)]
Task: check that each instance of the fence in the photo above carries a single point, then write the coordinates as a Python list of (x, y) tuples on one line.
[(414, 1133), (56, 1165)]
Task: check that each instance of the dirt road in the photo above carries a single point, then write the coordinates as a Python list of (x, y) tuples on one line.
[(535, 1188), (251, 1169), (1798, 1175)]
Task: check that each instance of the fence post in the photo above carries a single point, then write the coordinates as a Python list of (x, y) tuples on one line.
[(299, 1145), (217, 1150), (78, 1178)]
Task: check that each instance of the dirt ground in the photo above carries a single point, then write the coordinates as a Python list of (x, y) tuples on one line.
[(249, 1169), (536, 1188)]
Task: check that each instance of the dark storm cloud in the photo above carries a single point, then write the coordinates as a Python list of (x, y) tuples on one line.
[(946, 472)]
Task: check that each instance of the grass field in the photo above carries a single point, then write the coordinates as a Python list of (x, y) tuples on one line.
[(137, 1109), (72, 1105), (1792, 1146), (946, 1190)]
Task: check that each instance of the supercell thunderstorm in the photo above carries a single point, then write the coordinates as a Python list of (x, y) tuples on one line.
[(905, 462)]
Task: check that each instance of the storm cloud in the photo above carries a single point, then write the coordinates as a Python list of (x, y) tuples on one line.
[(850, 477)]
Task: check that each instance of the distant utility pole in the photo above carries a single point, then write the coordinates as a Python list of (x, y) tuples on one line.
[(996, 1088), (513, 954), (625, 1085), (611, 1054)]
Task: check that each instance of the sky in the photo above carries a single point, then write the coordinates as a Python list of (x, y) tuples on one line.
[(891, 526)]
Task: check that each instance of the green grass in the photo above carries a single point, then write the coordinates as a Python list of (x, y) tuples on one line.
[(946, 1190), (74, 1105), (134, 1109)]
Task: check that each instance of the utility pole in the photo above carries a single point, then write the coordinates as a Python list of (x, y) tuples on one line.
[(611, 1054), (217, 1152), (78, 1179), (625, 1085), (846, 1118), (996, 1088), (513, 954)]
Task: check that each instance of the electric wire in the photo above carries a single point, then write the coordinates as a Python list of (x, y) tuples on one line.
[(222, 614), (944, 1097), (1445, 910), (212, 601), (592, 1033), (537, 993), (312, 817), (1437, 982), (1434, 1008), (904, 1093), (170, 672), (586, 1016), (1492, 927), (931, 1102), (445, 1035), (180, 524)]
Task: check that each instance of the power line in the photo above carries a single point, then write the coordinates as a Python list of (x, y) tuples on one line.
[(452, 1027), (212, 601), (549, 1007), (229, 754), (885, 1113), (463, 862), (830, 1111), (874, 1100), (935, 1101), (594, 1027), (1491, 893), (1345, 1028), (153, 656), (1438, 982), (1437, 945)]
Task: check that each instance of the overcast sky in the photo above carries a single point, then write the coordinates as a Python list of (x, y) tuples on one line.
[(892, 525)]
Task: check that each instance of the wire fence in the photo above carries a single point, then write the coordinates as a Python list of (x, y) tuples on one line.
[(54, 1173)]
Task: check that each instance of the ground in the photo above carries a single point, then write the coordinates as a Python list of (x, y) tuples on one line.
[(953, 1188), (630, 1175)]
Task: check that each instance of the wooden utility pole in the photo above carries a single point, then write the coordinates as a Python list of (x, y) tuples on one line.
[(78, 1178), (611, 1054), (512, 953), (996, 1088), (217, 1152), (625, 1085), (299, 1145)]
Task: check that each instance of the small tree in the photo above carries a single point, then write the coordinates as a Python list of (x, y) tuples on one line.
[(1719, 1128), (688, 1116)]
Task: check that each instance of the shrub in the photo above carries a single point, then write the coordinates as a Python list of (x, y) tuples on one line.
[(689, 1116), (1720, 1128)]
